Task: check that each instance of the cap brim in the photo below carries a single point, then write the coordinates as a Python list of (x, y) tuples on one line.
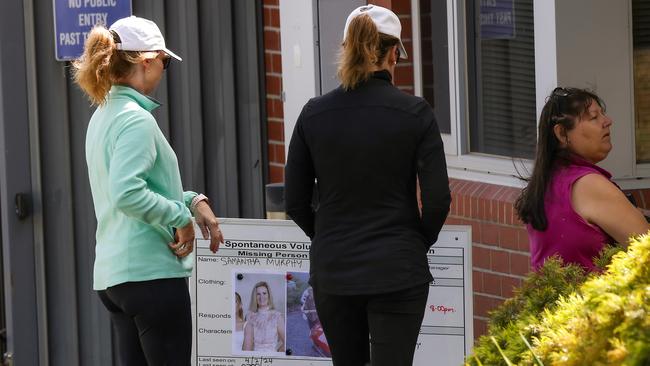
[(402, 50), (172, 54)]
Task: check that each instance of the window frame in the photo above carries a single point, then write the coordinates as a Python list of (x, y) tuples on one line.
[(461, 162), (450, 140), (637, 175), (641, 173)]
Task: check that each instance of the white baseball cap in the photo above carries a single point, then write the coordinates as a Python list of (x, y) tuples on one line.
[(385, 20), (139, 34)]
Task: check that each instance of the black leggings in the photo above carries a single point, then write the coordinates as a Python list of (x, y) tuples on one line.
[(152, 320), (392, 322)]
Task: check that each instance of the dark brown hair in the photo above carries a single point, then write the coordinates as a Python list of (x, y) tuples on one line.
[(563, 107)]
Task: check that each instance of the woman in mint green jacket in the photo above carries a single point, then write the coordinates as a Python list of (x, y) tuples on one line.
[(144, 226)]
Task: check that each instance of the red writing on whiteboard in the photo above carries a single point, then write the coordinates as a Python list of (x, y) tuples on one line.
[(441, 309)]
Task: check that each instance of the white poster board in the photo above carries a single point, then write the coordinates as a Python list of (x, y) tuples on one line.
[(264, 260)]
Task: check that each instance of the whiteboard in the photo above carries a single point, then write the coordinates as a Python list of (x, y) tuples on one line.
[(276, 252)]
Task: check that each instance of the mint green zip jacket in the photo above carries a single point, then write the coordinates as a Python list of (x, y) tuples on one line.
[(137, 192)]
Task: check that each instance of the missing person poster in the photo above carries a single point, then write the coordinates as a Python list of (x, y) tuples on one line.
[(252, 303)]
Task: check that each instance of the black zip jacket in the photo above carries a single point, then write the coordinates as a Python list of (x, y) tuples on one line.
[(365, 148)]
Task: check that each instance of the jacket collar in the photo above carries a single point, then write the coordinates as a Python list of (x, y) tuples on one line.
[(119, 91), (383, 75)]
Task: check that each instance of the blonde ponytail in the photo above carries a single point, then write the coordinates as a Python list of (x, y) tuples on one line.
[(363, 49), (102, 64)]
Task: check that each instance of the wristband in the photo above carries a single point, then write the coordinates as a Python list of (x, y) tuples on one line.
[(195, 201)]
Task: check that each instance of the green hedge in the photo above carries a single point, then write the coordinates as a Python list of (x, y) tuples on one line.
[(564, 316), (607, 322), (540, 290)]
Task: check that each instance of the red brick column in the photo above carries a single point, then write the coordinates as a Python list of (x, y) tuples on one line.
[(273, 74), (404, 70)]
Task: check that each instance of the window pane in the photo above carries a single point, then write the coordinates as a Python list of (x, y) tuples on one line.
[(501, 54), (641, 34), (435, 61)]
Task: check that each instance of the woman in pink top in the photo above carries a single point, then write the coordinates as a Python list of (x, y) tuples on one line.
[(571, 206)]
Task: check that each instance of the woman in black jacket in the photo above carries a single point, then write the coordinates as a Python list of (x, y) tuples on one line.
[(366, 144)]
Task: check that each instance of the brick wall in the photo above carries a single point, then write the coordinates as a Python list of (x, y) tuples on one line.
[(273, 73), (404, 69), (500, 250)]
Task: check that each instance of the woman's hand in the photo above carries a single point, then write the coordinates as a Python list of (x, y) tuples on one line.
[(184, 241), (209, 225)]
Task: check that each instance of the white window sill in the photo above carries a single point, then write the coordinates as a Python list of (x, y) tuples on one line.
[(501, 171), (633, 183), (489, 169)]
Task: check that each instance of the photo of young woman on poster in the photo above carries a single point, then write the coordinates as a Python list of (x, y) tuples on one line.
[(264, 320)]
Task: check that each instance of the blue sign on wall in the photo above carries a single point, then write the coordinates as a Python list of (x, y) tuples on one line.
[(73, 19), (497, 19)]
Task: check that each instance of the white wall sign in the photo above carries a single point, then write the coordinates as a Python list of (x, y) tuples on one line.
[(264, 266)]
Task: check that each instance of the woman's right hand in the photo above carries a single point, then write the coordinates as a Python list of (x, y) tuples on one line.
[(184, 241)]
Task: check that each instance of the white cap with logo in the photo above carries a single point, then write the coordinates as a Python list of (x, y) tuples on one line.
[(385, 20), (139, 34)]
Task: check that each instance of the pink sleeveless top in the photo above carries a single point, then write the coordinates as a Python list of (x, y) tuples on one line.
[(568, 234)]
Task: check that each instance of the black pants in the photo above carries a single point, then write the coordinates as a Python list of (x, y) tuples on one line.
[(152, 321), (392, 322)]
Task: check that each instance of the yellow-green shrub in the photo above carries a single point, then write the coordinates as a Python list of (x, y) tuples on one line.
[(539, 291), (520, 316), (607, 322)]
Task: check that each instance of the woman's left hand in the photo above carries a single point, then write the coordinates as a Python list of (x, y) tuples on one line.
[(209, 225)]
